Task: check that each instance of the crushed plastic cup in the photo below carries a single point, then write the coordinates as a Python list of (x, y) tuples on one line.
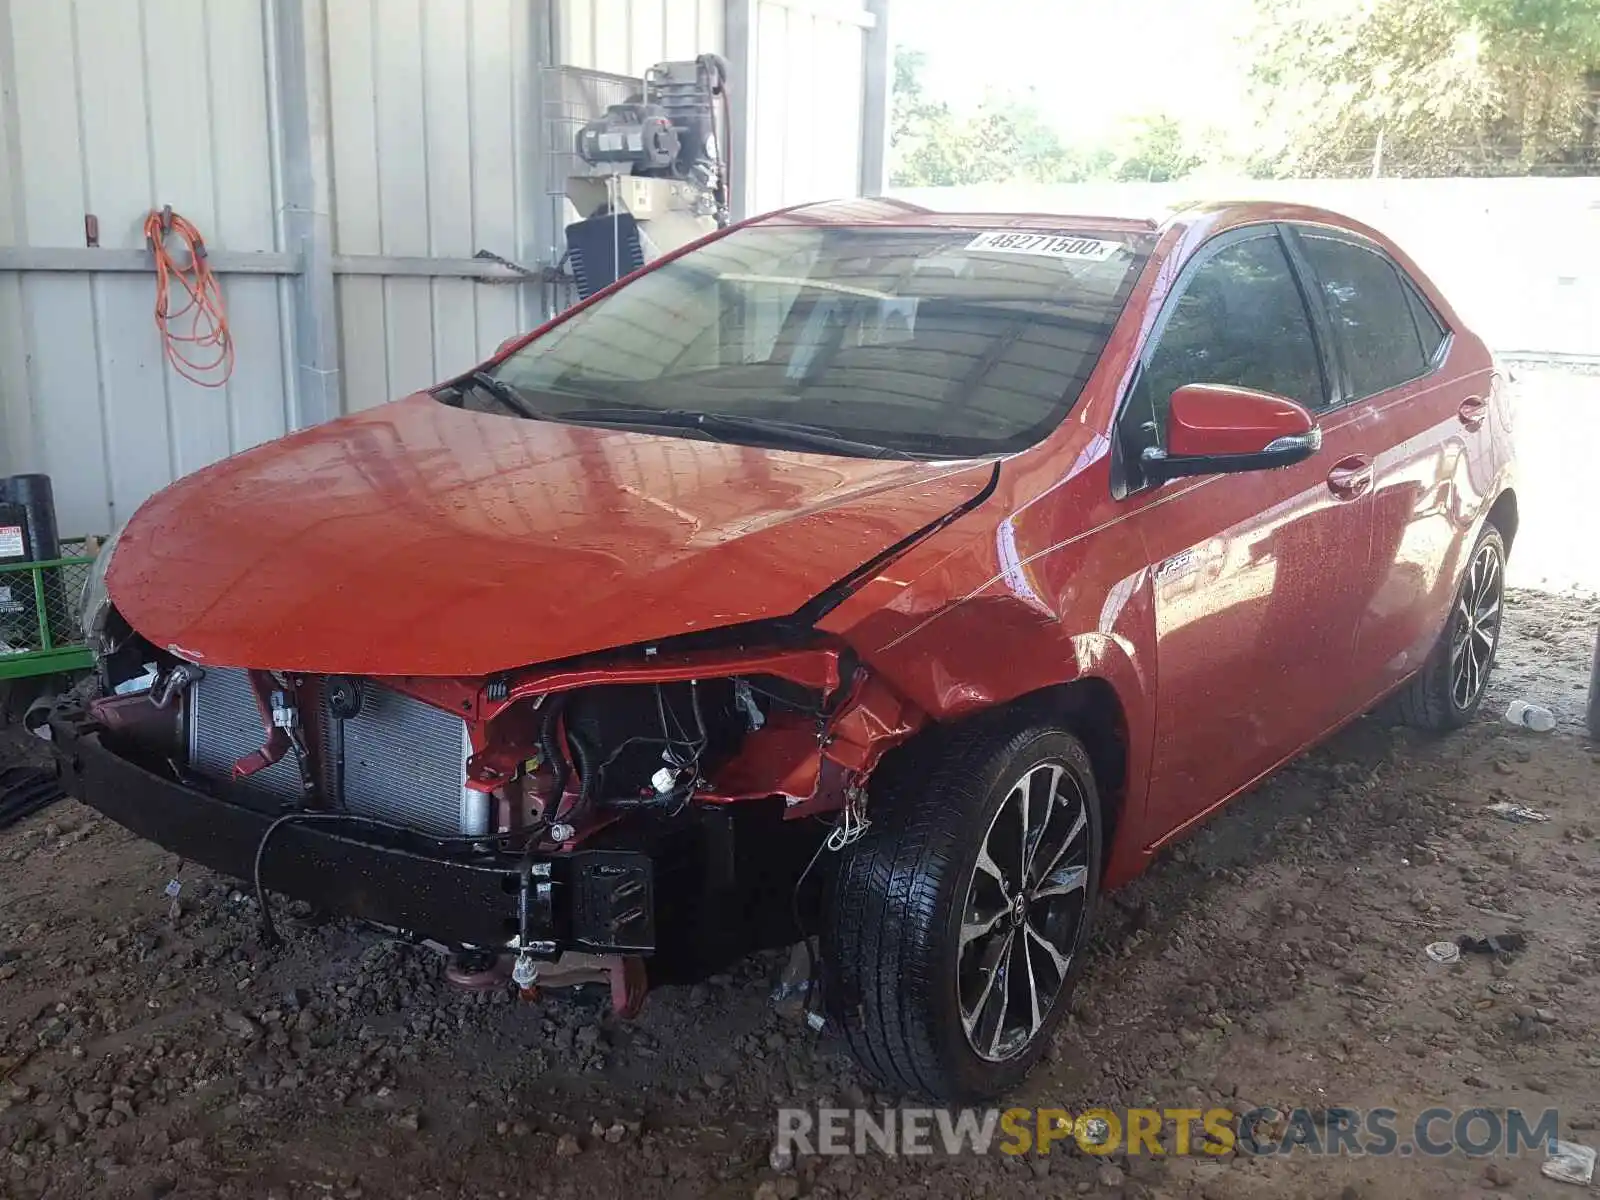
[(1443, 953), (1518, 814), (1530, 716), (1568, 1162)]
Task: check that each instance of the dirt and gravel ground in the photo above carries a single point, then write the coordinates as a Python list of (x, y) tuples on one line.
[(151, 1048)]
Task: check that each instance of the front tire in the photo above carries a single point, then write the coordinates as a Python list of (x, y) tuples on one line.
[(955, 928), (1448, 691)]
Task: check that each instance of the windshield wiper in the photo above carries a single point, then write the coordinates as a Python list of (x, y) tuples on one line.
[(785, 435), (506, 394)]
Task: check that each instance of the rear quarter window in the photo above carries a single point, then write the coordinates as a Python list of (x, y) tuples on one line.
[(1430, 329)]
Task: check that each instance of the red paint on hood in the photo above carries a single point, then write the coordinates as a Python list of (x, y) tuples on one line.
[(419, 539)]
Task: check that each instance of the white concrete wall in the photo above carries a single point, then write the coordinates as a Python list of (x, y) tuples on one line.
[(1518, 258)]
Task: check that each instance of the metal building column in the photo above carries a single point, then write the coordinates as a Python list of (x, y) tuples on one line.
[(543, 214), (298, 73), (18, 431), (739, 41), (877, 94)]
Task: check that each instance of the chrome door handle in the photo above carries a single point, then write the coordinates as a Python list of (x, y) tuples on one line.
[(1351, 477)]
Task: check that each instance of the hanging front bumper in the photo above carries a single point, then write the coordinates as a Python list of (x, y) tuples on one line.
[(593, 899)]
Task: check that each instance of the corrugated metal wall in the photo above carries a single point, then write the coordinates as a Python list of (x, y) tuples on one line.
[(435, 149), (626, 36), (431, 109), (113, 108), (806, 101)]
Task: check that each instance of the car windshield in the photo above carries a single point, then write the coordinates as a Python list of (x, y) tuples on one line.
[(932, 343)]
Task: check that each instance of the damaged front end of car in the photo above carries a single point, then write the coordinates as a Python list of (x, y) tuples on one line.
[(659, 804)]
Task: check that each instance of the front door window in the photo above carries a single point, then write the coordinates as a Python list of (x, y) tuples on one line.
[(1240, 320)]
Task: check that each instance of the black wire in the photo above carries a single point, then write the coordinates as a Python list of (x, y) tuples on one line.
[(682, 738), (547, 742), (799, 925), (661, 712), (699, 719), (588, 773), (818, 711), (634, 741)]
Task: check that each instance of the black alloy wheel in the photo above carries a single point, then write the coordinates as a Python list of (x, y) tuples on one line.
[(1027, 898), (1449, 689), (1475, 625), (955, 927)]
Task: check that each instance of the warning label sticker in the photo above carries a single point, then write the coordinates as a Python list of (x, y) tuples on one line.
[(1045, 245), (10, 541)]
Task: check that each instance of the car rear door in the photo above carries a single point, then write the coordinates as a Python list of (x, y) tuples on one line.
[(1418, 409), (1253, 575)]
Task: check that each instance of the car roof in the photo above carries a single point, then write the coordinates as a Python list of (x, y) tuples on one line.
[(1181, 230), (894, 211)]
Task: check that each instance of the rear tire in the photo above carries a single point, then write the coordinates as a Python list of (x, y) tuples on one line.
[(1448, 691), (955, 927)]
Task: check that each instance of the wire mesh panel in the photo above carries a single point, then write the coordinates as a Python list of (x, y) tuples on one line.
[(40, 632), (572, 98)]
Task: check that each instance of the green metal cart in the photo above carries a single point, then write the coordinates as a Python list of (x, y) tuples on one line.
[(40, 632)]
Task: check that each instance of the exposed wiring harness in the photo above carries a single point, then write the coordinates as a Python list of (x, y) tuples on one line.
[(550, 743), (202, 350), (567, 751)]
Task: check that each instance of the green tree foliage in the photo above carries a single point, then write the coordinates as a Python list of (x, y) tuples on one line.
[(1008, 140), (1157, 151), (1569, 28), (1004, 140), (1427, 87)]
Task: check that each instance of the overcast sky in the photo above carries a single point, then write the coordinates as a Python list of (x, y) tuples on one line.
[(1088, 65)]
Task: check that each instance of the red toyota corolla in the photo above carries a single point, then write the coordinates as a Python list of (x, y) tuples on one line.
[(902, 577)]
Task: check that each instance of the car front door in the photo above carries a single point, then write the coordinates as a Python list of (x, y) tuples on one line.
[(1254, 574), (1420, 410)]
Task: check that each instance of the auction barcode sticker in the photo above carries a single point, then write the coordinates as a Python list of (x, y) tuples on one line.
[(10, 541), (1046, 245)]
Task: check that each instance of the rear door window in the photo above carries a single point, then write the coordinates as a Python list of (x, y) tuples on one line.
[(1372, 315)]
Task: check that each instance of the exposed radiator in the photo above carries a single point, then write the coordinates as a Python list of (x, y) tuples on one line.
[(225, 726), (406, 761), (402, 760)]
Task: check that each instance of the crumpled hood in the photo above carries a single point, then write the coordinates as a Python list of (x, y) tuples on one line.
[(420, 539)]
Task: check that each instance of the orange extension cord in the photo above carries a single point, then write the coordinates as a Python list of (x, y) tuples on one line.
[(203, 354)]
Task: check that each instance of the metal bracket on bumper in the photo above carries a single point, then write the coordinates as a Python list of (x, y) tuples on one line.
[(601, 900)]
